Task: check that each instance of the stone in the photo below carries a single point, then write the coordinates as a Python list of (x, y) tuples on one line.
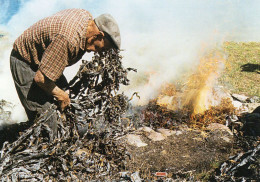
[(151, 134), (219, 134), (155, 136), (178, 133), (237, 104), (241, 98), (146, 129), (217, 126), (232, 121), (135, 140), (166, 132), (244, 109), (253, 99), (241, 108), (252, 107)]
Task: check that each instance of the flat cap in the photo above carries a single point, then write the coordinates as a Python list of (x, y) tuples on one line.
[(106, 23)]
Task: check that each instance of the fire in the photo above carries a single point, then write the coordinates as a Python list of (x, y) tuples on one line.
[(200, 85), (215, 114), (197, 92), (196, 101)]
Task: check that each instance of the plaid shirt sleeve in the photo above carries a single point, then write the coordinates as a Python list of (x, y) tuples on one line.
[(55, 58)]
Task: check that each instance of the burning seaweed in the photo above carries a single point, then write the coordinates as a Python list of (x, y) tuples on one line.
[(215, 114)]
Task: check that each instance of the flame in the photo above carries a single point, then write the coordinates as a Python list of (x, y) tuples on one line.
[(196, 100), (198, 90), (214, 114), (200, 85)]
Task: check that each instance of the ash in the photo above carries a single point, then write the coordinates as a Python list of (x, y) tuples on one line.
[(85, 147)]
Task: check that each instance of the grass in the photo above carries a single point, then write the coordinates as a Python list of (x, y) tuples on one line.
[(242, 68), (207, 175)]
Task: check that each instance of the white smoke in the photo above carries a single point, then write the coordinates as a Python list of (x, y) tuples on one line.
[(160, 38)]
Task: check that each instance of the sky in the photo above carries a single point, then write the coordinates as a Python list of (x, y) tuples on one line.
[(161, 38), (8, 9)]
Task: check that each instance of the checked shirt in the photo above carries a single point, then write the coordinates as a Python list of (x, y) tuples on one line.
[(55, 42)]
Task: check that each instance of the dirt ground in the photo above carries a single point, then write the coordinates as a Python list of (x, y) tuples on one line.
[(190, 153)]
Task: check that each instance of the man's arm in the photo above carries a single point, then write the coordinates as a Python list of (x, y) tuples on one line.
[(54, 60), (52, 89)]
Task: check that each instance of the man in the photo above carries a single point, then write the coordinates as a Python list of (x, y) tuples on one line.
[(42, 52)]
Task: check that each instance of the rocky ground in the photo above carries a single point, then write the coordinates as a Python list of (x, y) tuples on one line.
[(184, 151), (195, 154)]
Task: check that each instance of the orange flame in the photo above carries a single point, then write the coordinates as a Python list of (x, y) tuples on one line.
[(198, 89), (200, 85)]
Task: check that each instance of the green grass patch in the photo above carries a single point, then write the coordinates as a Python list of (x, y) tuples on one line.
[(242, 68)]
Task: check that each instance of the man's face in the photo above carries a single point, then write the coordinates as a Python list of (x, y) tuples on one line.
[(99, 44)]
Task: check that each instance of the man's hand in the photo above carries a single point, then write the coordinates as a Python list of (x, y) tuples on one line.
[(51, 88), (63, 99)]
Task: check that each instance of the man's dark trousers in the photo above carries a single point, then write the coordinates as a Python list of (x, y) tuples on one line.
[(34, 99)]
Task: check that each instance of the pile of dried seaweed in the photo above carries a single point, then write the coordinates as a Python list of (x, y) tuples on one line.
[(244, 166), (215, 114), (156, 116), (86, 146), (159, 116)]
